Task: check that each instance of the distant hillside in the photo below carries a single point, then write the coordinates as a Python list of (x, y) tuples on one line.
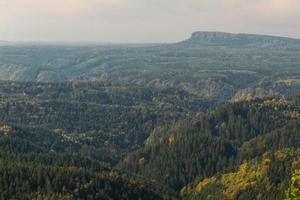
[(213, 65), (2, 42), (239, 40)]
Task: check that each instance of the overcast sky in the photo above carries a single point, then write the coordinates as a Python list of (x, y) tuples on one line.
[(143, 20)]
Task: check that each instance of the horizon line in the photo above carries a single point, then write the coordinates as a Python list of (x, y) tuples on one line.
[(87, 42)]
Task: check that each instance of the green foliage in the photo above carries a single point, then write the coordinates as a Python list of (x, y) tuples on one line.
[(103, 121), (144, 121), (36, 181), (219, 141)]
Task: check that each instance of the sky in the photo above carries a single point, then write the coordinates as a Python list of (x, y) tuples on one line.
[(141, 21)]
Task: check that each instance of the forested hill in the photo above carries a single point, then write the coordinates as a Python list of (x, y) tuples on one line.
[(107, 120), (245, 150), (216, 116), (214, 65), (98, 140), (62, 140)]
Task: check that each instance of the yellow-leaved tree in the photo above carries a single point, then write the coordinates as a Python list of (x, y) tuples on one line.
[(293, 192)]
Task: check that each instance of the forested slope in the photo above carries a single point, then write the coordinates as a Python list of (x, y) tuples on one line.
[(107, 120), (92, 140), (210, 64), (216, 116), (202, 149)]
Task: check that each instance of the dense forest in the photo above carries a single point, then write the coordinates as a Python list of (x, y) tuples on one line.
[(51, 148), (216, 116), (221, 141)]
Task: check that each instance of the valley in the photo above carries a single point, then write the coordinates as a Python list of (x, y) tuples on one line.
[(216, 116)]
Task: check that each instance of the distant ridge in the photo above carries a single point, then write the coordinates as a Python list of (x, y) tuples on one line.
[(2, 42), (239, 39)]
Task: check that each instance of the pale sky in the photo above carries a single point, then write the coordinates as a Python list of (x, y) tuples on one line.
[(143, 20)]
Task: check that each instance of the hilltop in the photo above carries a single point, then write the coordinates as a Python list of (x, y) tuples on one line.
[(239, 40)]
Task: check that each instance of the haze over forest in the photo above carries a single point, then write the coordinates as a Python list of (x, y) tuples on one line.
[(149, 100)]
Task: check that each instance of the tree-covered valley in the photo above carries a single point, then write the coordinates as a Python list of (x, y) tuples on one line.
[(216, 116)]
